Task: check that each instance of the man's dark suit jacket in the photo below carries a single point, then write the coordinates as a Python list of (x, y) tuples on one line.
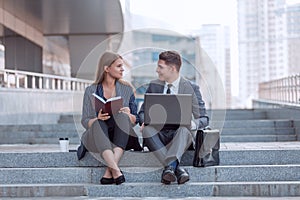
[(185, 87)]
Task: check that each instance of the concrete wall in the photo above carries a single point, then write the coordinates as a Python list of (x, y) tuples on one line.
[(24, 106)]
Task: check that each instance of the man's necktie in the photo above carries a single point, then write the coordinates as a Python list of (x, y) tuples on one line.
[(169, 90)]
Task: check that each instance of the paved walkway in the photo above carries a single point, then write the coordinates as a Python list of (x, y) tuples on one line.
[(26, 148)]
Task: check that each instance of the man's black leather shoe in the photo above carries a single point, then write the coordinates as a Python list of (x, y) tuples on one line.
[(168, 175), (81, 151), (182, 175), (165, 182)]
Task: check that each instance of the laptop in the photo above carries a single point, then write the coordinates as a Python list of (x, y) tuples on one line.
[(168, 109)]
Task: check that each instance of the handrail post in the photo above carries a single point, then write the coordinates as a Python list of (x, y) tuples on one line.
[(7, 80), (33, 82), (25, 82), (58, 84), (53, 83), (40, 83), (17, 80), (47, 83)]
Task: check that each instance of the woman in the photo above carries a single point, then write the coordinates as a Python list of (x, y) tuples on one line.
[(109, 134)]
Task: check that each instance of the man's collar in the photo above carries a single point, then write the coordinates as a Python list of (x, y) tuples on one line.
[(175, 83)]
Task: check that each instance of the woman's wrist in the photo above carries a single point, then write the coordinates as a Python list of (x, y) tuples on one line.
[(132, 118)]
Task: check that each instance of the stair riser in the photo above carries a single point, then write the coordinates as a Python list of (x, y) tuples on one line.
[(33, 140), (155, 190), (258, 131), (269, 138), (73, 133), (254, 123), (42, 127), (42, 191), (199, 190), (72, 127), (224, 138), (33, 134), (258, 190)]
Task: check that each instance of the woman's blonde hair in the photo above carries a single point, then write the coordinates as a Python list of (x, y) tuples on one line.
[(107, 59)]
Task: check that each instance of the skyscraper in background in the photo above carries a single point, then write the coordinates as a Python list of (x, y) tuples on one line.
[(293, 33), (268, 42), (215, 41)]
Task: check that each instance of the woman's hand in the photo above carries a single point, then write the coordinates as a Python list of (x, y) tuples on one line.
[(126, 110), (103, 116), (142, 127)]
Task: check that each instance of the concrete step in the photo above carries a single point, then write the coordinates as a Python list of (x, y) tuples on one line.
[(70, 118), (39, 139), (49, 134), (146, 159), (257, 131), (254, 123), (42, 127), (237, 173), (42, 190), (230, 114), (258, 138), (237, 114), (227, 135), (77, 127), (226, 189), (144, 189), (271, 171), (224, 138), (40, 134)]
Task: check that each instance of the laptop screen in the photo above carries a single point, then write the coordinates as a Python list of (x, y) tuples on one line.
[(168, 109)]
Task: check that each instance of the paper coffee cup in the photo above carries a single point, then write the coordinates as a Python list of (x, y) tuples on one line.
[(64, 144)]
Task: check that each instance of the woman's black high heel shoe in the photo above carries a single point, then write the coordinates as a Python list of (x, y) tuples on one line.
[(120, 179), (107, 181)]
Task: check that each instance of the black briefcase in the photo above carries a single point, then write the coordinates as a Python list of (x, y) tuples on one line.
[(207, 145)]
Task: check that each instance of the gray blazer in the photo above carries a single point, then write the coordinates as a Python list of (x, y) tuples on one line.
[(185, 87), (88, 107)]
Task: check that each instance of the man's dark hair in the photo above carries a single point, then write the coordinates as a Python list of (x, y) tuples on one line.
[(171, 58)]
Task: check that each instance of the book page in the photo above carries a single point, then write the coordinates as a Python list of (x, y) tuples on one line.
[(114, 98), (98, 97)]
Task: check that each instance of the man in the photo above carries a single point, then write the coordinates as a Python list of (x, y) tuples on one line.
[(169, 143)]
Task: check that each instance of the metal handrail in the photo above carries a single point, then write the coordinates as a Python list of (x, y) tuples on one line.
[(32, 80), (282, 90)]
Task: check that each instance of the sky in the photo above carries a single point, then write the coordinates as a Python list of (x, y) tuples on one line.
[(189, 14), (186, 14)]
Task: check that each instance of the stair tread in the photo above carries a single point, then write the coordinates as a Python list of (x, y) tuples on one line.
[(149, 183)]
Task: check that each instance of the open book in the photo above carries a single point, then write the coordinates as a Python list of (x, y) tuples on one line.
[(111, 106)]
